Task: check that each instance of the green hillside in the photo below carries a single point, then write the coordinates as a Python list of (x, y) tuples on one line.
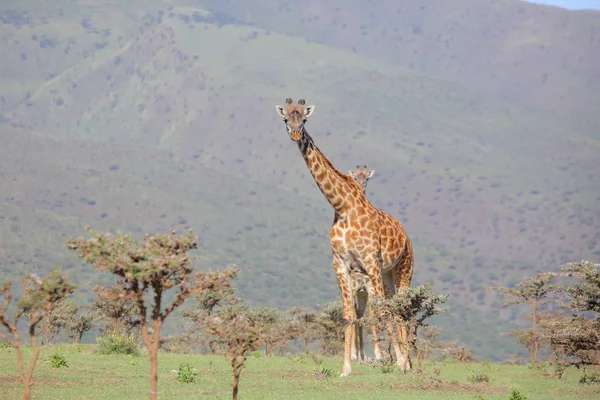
[(541, 56), (160, 114)]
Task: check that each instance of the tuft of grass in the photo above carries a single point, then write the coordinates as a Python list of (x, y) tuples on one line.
[(321, 371), (186, 373), (58, 360), (477, 377), (516, 395), (6, 345), (113, 343), (300, 359), (591, 379)]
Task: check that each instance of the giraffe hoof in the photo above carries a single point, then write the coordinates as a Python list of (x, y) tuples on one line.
[(403, 365), (344, 374)]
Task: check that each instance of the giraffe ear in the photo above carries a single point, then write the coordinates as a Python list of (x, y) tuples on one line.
[(308, 110), (280, 111), (370, 174), (352, 173)]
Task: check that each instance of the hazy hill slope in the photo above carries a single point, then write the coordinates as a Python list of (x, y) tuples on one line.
[(43, 39), (538, 55), (452, 160), (171, 124), (53, 188)]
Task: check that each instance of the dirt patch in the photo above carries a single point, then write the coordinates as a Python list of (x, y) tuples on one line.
[(358, 385), (9, 379), (546, 376), (291, 374), (36, 381), (449, 387)]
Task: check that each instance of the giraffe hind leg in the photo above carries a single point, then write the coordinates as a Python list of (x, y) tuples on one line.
[(402, 277), (379, 288), (361, 298)]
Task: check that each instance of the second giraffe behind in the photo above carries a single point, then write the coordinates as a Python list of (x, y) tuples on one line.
[(361, 286), (363, 239)]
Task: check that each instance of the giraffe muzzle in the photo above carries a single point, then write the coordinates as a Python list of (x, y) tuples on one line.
[(295, 134)]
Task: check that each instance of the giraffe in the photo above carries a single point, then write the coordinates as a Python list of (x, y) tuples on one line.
[(363, 238), (361, 284)]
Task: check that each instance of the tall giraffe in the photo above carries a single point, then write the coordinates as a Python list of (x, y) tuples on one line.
[(363, 238), (361, 286)]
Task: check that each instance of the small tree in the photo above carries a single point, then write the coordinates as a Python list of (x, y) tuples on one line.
[(207, 302), (120, 313), (574, 338), (459, 353), (79, 325), (332, 320), (307, 325), (58, 320), (156, 264), (240, 331), (531, 291), (283, 332), (408, 308), (273, 328), (39, 298), (427, 340), (585, 295)]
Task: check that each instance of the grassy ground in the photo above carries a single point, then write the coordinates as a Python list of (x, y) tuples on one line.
[(93, 376)]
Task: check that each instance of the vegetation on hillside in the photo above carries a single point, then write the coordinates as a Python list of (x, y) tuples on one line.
[(154, 115)]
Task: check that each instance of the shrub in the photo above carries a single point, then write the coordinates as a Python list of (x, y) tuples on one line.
[(593, 378), (458, 353), (478, 377), (322, 372), (186, 373), (516, 395), (58, 360), (113, 343)]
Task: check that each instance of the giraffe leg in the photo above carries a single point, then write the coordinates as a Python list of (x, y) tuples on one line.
[(375, 337), (354, 346), (402, 277), (373, 268), (349, 311), (360, 312)]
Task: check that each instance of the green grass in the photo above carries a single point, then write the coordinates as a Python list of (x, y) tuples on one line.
[(92, 376)]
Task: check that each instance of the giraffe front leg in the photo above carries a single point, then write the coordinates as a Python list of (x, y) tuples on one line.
[(354, 346), (403, 361), (349, 311)]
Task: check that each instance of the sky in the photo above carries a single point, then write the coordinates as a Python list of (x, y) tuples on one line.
[(571, 4)]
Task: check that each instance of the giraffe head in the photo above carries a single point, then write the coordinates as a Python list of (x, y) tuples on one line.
[(361, 175), (295, 117)]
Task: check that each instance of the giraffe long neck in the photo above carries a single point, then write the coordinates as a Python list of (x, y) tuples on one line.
[(334, 185)]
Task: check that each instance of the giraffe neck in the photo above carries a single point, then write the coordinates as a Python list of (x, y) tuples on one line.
[(334, 185)]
